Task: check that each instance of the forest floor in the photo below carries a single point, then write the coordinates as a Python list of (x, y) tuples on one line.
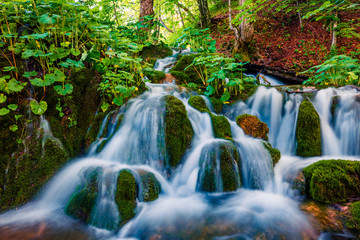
[(279, 42)]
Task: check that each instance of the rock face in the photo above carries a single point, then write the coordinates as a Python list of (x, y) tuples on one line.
[(308, 132), (252, 126), (219, 168), (332, 180), (83, 200), (178, 130)]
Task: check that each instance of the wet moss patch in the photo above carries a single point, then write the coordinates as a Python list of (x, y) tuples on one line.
[(217, 104), (198, 103), (190, 74), (155, 76), (151, 187), (221, 127), (308, 133), (178, 130), (332, 180), (274, 153)]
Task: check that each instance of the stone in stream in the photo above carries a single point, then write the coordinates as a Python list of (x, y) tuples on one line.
[(252, 126)]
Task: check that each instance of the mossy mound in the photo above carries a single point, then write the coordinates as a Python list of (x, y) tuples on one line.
[(125, 196), (151, 187), (221, 127), (308, 132), (155, 76), (151, 53), (198, 103), (219, 168), (332, 180), (83, 200), (252, 126), (178, 130), (217, 104), (353, 221), (182, 76), (274, 153)]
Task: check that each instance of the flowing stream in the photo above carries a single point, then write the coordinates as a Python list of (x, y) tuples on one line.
[(264, 204)]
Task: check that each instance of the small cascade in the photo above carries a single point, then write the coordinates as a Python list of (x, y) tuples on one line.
[(166, 64), (47, 134)]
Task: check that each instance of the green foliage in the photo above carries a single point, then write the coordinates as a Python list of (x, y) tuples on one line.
[(38, 108), (197, 39), (338, 71), (178, 130), (332, 181), (308, 132), (353, 222)]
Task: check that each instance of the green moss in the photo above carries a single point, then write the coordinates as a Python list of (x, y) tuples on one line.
[(353, 221), (151, 187), (217, 104), (191, 73), (308, 133), (223, 156), (153, 52), (332, 180), (274, 153), (178, 130), (180, 77), (198, 103), (253, 126), (221, 127), (125, 196), (155, 76), (83, 200)]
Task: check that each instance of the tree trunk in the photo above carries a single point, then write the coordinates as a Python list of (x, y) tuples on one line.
[(181, 17), (334, 39), (204, 13), (146, 8)]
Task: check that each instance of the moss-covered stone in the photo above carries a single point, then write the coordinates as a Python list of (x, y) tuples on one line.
[(178, 130), (308, 133), (125, 197), (190, 73), (223, 157), (333, 180), (155, 76), (198, 103), (252, 126), (274, 153), (217, 104), (151, 187), (353, 221), (334, 104), (221, 127), (83, 200), (151, 53)]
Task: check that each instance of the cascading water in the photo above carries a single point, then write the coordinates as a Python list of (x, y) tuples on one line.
[(135, 140)]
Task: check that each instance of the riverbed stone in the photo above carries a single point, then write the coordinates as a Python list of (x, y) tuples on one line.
[(252, 126), (198, 103), (308, 132), (274, 153), (151, 187), (221, 127)]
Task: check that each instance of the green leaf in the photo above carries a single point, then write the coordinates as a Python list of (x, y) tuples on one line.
[(41, 83), (12, 107), (67, 89), (9, 69), (38, 108), (13, 128), (4, 111), (18, 116), (225, 96), (118, 101), (2, 98), (30, 74), (16, 86), (46, 19), (104, 106), (75, 52)]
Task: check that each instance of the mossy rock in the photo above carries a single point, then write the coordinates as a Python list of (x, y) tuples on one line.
[(334, 104), (155, 76), (83, 200), (353, 221), (252, 126), (221, 127), (217, 104), (125, 196), (308, 132), (190, 73), (274, 153), (153, 52), (333, 180), (178, 130), (198, 103), (223, 157), (151, 187)]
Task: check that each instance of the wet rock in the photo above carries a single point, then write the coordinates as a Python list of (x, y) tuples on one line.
[(178, 130), (198, 103), (308, 133), (332, 180), (153, 52), (252, 126), (155, 76), (83, 200), (151, 187), (217, 104), (219, 168), (274, 153), (221, 127), (125, 196)]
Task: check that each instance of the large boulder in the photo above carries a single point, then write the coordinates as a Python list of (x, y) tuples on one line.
[(332, 180), (308, 132), (178, 130), (219, 168), (221, 127), (252, 126)]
